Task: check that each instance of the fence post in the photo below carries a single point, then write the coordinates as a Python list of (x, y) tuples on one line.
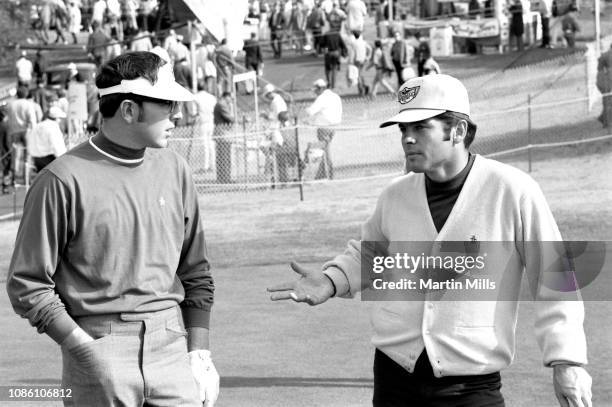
[(529, 131), (299, 159), (586, 79), (245, 152)]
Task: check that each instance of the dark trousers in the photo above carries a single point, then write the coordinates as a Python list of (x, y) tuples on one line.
[(394, 386), (545, 31), (276, 42), (316, 38), (398, 70), (223, 162), (332, 65)]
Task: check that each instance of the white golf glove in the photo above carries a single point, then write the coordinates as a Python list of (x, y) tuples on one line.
[(205, 375)]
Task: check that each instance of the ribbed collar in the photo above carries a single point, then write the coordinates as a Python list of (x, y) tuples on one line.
[(116, 152)]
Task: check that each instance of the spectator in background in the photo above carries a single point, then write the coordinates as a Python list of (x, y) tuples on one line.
[(423, 53), (277, 28), (131, 14), (97, 44), (286, 154), (225, 67), (61, 21), (360, 53), (74, 17), (46, 140), (224, 118), (325, 111), (97, 13), (569, 25), (336, 17), (604, 84), (545, 15), (297, 27), (315, 23), (334, 49), (21, 118), (40, 95), (252, 54), (517, 27), (381, 60), (205, 123), (40, 65), (141, 41), (277, 104), (400, 56), (45, 13), (356, 12), (430, 67), (24, 70), (159, 50), (115, 28), (206, 69)]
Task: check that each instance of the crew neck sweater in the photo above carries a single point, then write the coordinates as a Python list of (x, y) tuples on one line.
[(102, 236)]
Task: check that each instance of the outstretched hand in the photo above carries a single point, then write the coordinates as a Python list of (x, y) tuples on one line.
[(313, 287)]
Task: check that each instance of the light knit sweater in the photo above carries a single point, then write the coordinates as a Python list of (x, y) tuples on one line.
[(463, 336)]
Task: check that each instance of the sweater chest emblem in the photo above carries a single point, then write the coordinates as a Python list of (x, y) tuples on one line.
[(161, 201)]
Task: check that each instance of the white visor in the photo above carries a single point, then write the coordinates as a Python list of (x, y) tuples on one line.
[(166, 88)]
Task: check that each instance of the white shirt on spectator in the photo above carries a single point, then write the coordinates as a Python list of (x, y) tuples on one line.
[(114, 7), (277, 105), (75, 19), (326, 110), (97, 13), (205, 103), (24, 69), (359, 51), (356, 12), (46, 139), (142, 42)]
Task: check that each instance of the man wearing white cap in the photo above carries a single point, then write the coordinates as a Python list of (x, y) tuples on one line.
[(110, 259), (325, 111), (46, 140), (440, 346)]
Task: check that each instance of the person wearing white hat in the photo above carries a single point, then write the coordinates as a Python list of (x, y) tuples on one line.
[(325, 112), (24, 70), (46, 140), (111, 260), (444, 344)]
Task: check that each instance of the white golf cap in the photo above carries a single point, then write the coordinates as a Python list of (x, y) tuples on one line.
[(428, 96), (319, 83), (166, 88), (268, 89)]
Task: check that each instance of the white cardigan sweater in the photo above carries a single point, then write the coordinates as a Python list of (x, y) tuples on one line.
[(498, 203)]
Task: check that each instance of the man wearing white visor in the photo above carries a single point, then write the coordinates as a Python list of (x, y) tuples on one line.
[(110, 259), (435, 352)]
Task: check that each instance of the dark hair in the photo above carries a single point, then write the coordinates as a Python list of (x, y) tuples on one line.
[(130, 65), (451, 119), (226, 94), (377, 43), (22, 92)]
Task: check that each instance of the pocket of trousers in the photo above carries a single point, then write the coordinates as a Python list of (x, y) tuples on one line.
[(90, 355)]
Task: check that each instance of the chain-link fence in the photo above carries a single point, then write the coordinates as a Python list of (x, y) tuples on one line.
[(515, 110)]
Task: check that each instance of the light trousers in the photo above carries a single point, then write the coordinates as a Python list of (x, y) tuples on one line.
[(135, 359)]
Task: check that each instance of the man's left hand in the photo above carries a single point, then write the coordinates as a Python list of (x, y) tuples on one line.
[(572, 386), (205, 375)]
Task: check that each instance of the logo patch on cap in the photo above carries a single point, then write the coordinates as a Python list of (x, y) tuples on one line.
[(406, 95)]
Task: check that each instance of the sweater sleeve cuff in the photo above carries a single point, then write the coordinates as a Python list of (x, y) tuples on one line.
[(61, 327), (195, 317), (339, 279)]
